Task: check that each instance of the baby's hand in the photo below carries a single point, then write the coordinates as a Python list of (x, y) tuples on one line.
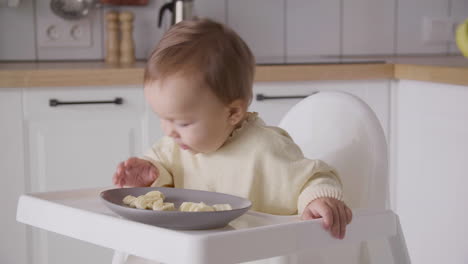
[(336, 215), (135, 172)]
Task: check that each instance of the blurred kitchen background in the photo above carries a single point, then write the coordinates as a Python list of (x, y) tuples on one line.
[(420, 100), (278, 31)]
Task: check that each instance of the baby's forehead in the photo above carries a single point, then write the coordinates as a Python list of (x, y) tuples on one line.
[(192, 81), (177, 93)]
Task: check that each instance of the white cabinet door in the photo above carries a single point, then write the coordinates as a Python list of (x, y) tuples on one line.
[(13, 234), (78, 146), (430, 128), (375, 93), (261, 24)]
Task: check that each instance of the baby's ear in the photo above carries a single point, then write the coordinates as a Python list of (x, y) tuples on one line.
[(237, 111)]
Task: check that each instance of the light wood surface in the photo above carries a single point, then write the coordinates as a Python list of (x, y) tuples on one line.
[(439, 74), (451, 70), (323, 72)]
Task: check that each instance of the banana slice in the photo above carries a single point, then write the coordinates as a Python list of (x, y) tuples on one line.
[(155, 194), (202, 207), (187, 207), (128, 199), (195, 207), (164, 207), (154, 200), (145, 202), (222, 207), (159, 205)]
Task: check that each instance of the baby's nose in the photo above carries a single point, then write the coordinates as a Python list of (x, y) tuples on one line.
[(173, 134)]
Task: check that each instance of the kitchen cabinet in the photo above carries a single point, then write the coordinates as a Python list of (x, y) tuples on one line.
[(429, 175), (260, 23), (14, 234), (78, 146), (375, 93)]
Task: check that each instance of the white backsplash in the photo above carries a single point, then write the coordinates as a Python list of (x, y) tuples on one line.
[(277, 31)]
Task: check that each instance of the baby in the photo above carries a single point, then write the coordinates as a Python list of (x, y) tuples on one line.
[(198, 80)]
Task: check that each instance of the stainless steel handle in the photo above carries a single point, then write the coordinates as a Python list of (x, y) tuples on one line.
[(262, 97), (55, 102)]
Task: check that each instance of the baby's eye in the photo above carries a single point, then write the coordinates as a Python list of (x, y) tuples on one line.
[(183, 124)]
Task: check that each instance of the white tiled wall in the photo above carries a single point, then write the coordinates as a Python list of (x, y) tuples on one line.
[(312, 29), (410, 15), (146, 32), (458, 9), (261, 24), (276, 30), (17, 32), (368, 27), (44, 18)]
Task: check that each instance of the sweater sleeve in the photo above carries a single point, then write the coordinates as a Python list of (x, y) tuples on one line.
[(324, 182), (160, 156), (291, 181)]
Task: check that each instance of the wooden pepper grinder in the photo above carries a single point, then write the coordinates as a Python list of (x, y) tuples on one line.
[(112, 42), (127, 45)]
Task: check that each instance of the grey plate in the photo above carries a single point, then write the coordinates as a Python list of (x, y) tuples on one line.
[(175, 219)]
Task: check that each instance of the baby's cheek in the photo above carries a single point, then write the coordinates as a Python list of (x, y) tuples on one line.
[(190, 136)]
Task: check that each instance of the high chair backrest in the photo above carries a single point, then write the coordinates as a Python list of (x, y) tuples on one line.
[(343, 131)]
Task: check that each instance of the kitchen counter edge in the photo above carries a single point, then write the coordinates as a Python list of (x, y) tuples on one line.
[(63, 74)]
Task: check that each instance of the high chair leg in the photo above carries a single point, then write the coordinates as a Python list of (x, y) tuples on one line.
[(119, 257), (398, 246)]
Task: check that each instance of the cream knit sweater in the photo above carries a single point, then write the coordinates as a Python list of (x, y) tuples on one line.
[(257, 162)]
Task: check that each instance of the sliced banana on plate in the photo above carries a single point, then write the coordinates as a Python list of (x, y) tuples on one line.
[(154, 200)]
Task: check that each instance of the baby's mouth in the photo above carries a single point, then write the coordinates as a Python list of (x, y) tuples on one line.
[(183, 146)]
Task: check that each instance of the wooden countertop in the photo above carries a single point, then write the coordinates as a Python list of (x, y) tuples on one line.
[(442, 69)]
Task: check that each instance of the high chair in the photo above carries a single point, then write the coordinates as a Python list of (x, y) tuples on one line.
[(335, 127), (343, 131)]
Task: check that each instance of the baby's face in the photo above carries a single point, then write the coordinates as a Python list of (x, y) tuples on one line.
[(193, 116)]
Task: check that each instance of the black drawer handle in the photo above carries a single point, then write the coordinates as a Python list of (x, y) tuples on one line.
[(261, 97), (55, 102)]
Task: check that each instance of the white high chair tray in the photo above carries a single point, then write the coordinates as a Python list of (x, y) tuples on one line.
[(82, 215)]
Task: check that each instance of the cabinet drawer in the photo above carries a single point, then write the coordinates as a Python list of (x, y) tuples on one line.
[(89, 102)]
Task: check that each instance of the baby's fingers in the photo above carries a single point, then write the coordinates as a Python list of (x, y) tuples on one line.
[(335, 225), (119, 176), (153, 174), (343, 219), (349, 214), (132, 162), (326, 213)]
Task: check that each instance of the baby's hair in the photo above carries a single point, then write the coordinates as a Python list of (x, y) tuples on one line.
[(210, 53)]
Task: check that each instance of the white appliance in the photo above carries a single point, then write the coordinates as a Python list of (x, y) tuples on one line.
[(60, 39)]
